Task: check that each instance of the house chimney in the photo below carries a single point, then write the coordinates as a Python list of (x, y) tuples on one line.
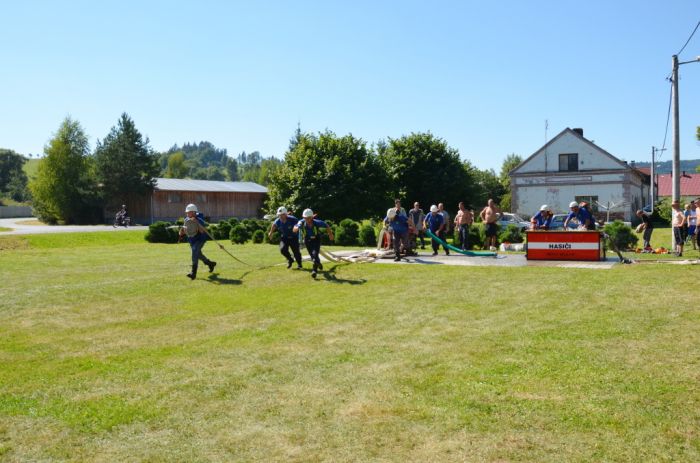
[(633, 164), (578, 131)]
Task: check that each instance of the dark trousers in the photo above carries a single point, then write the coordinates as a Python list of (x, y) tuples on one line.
[(285, 244), (436, 245), (313, 246), (421, 235), (443, 236), (198, 255), (400, 238), (647, 237), (464, 236)]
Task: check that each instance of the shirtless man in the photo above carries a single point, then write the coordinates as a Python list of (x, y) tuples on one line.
[(463, 221), (489, 215)]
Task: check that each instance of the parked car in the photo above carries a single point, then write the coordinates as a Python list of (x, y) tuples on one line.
[(507, 218), (558, 222)]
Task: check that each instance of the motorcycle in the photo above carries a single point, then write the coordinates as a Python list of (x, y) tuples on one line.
[(121, 220)]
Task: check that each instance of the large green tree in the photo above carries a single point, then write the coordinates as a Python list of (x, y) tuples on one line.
[(64, 187), (509, 163), (13, 180), (422, 167), (339, 177), (125, 163)]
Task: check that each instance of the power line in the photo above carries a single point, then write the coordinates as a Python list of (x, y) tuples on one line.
[(668, 118), (687, 41)]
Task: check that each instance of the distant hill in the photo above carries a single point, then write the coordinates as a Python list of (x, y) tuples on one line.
[(665, 167), (30, 167)]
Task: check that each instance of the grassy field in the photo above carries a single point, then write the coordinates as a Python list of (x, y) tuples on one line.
[(109, 353)]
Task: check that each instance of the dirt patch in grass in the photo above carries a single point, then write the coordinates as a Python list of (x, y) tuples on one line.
[(12, 243), (30, 222)]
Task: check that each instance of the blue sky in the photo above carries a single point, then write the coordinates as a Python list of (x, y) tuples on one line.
[(482, 76)]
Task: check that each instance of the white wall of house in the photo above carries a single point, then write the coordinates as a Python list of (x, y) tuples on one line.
[(589, 157), (538, 179)]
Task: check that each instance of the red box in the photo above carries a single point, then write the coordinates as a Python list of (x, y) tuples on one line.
[(564, 245)]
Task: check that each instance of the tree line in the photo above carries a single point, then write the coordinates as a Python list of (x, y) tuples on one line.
[(340, 176), (343, 177)]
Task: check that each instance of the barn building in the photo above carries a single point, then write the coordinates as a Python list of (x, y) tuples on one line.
[(217, 200)]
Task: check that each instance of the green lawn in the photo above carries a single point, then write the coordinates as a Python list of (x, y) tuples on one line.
[(109, 353)]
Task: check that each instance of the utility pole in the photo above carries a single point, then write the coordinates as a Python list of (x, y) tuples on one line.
[(676, 163)]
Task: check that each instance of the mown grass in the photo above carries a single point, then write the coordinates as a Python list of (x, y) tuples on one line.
[(108, 353)]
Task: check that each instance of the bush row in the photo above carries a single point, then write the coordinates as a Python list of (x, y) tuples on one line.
[(347, 233)]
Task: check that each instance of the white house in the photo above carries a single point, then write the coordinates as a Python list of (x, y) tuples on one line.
[(571, 168)]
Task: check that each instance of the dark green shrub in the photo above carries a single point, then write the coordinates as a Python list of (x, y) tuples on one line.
[(258, 236), (367, 236), (275, 238), (239, 234), (161, 232), (511, 234), (324, 233), (222, 231), (477, 236), (180, 221), (619, 237), (347, 232), (233, 221)]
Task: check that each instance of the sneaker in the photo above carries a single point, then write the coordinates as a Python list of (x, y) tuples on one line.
[(299, 267), (435, 253), (447, 253), (492, 248), (191, 276), (397, 259), (320, 266), (313, 274), (212, 264), (289, 264)]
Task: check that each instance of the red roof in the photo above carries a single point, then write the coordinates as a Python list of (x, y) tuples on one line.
[(690, 184), (644, 170)]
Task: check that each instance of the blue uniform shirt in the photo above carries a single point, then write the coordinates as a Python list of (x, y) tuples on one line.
[(434, 221), (313, 231), (286, 228), (582, 215), (542, 220), (399, 224)]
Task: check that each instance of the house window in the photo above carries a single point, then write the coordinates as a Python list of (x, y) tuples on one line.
[(174, 198), (201, 197), (591, 200), (568, 162)]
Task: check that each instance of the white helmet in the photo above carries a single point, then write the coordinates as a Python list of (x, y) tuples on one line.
[(544, 207), (191, 208), (391, 213), (433, 208), (281, 210), (573, 204), (307, 213)]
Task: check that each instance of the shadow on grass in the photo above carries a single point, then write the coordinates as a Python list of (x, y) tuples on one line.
[(329, 275), (214, 278)]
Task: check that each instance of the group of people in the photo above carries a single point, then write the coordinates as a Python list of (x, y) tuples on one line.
[(405, 229), (685, 224), (578, 213), (309, 228)]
